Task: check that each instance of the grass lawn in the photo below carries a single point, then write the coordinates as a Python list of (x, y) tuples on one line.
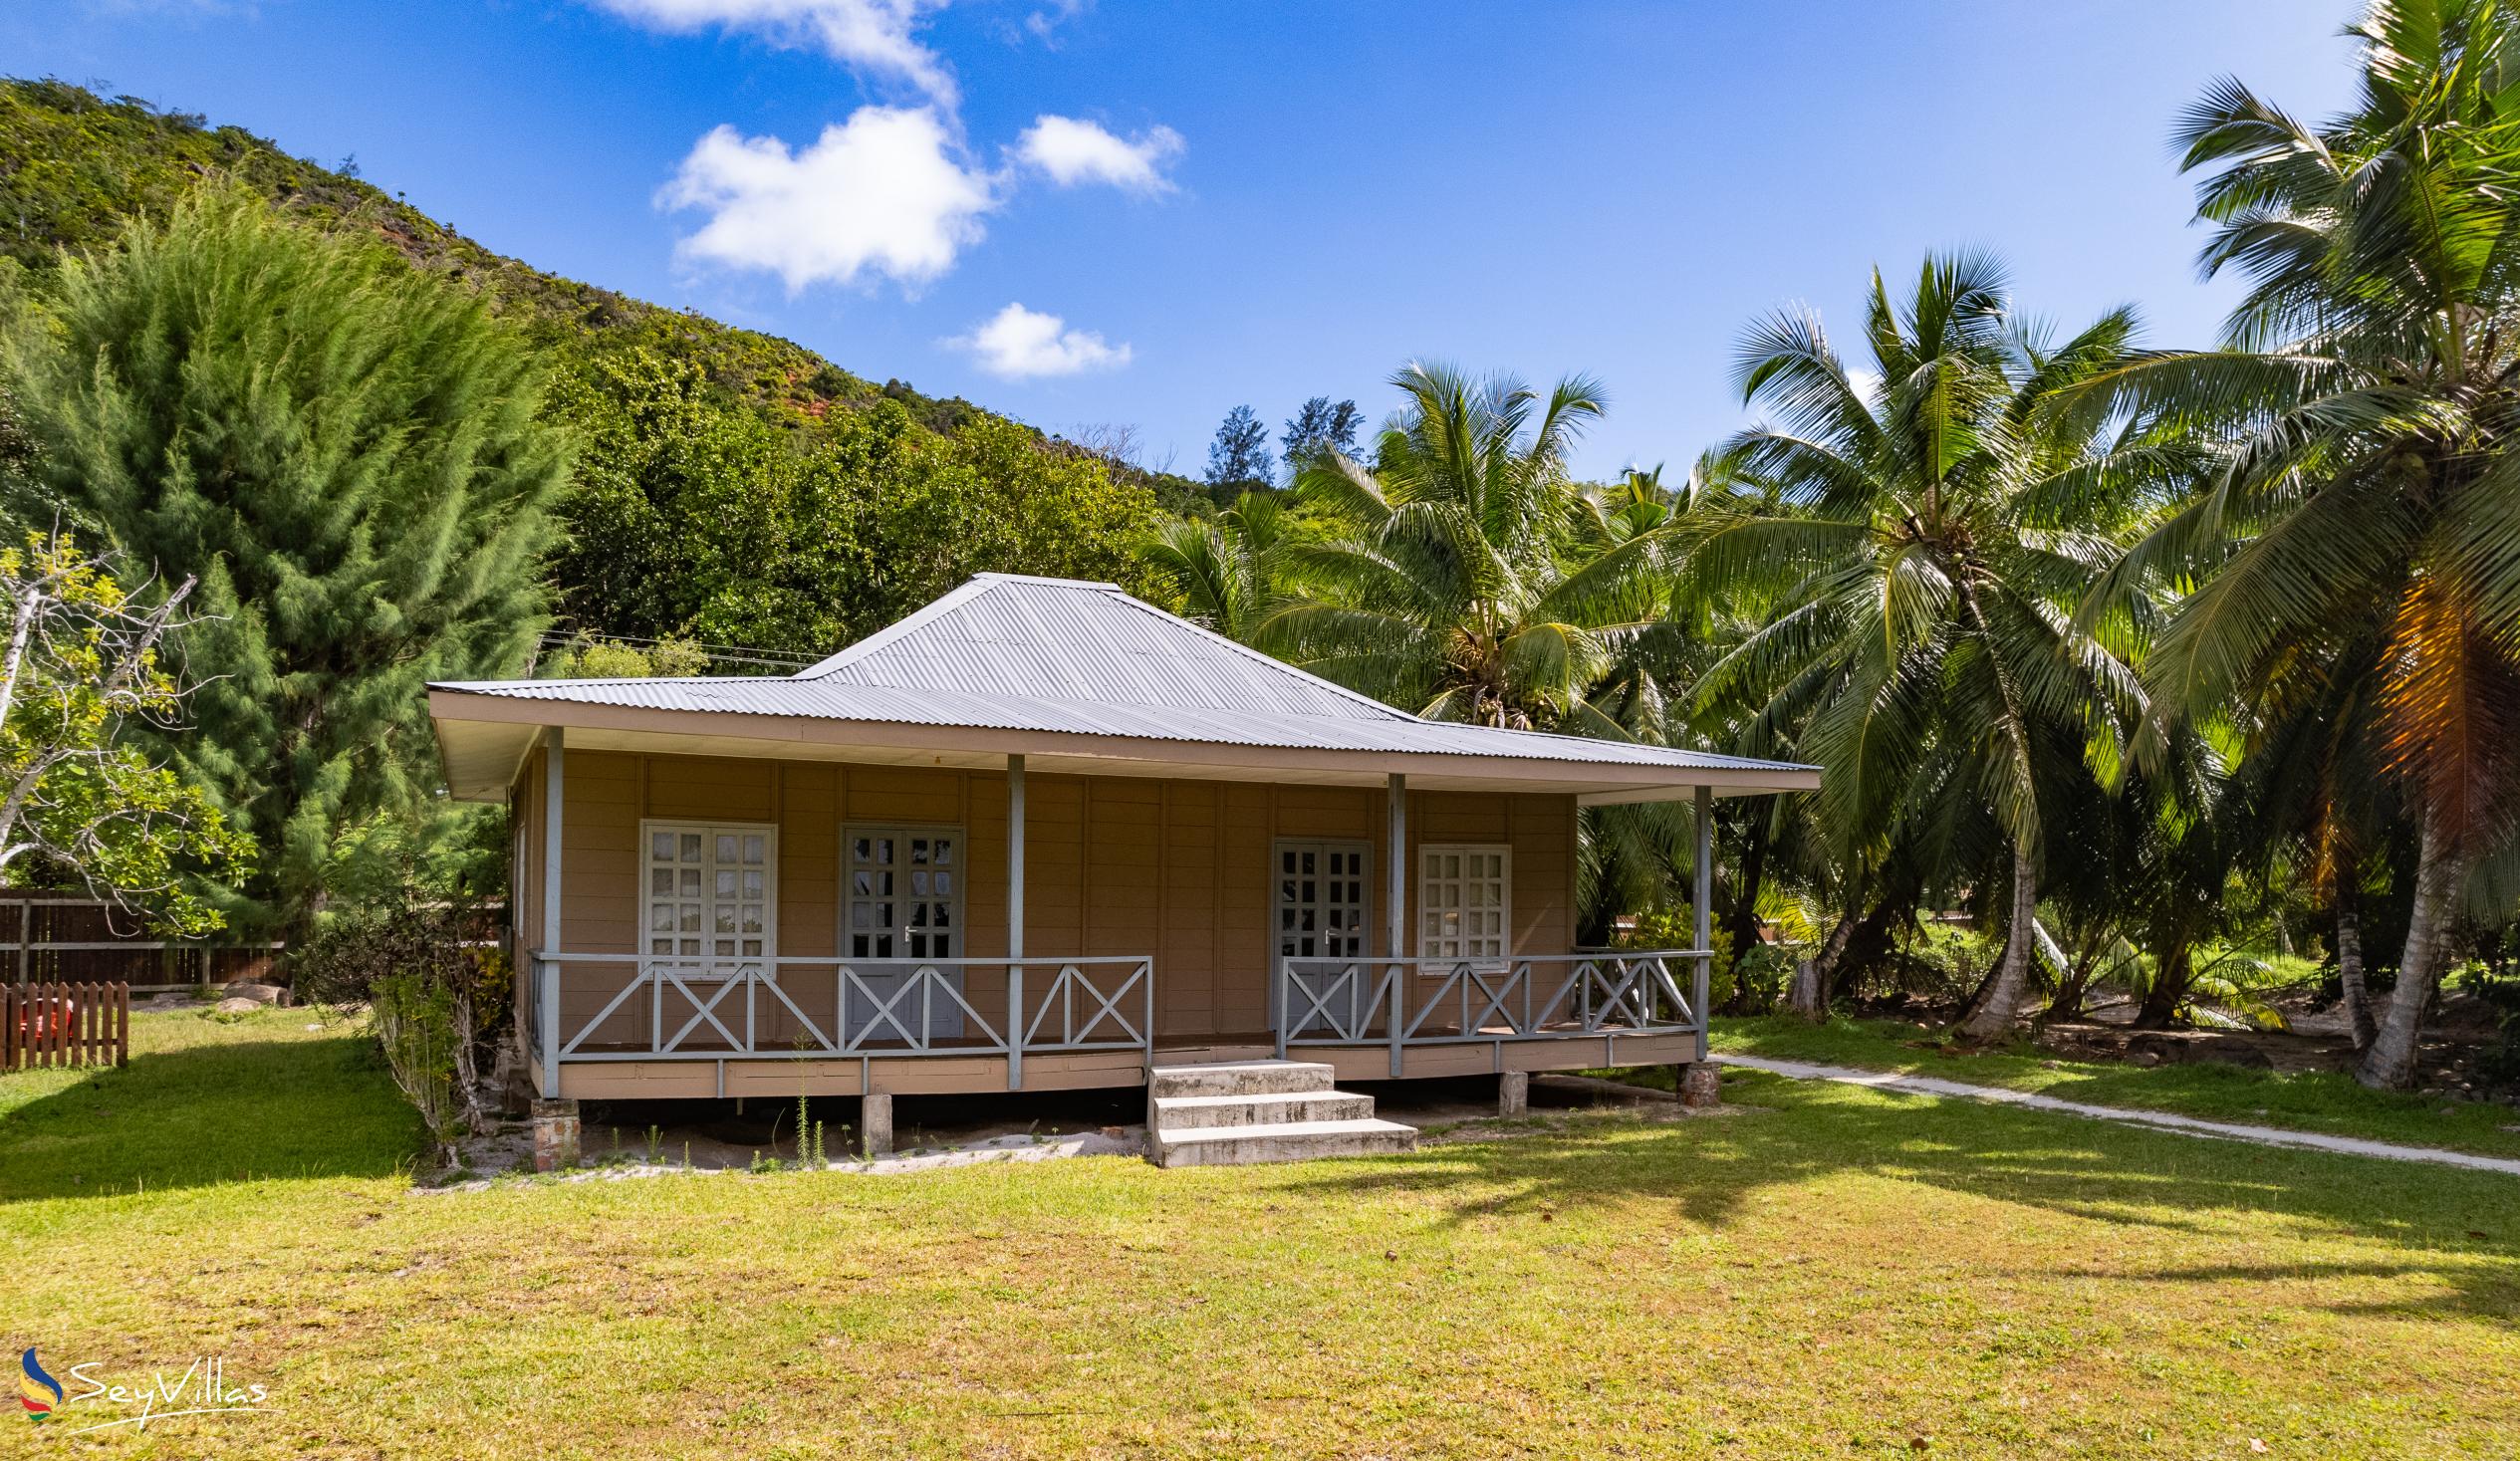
[(2310, 1100), (1820, 1271)]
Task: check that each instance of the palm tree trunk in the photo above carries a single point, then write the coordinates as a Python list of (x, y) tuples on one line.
[(1994, 1018), (1741, 917), (1810, 997), (2389, 1063), (2073, 985), (2356, 995), (2172, 970)]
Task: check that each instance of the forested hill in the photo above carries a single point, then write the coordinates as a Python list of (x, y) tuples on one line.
[(731, 486), (74, 166)]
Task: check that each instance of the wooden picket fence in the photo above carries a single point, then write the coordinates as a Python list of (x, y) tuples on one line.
[(44, 1025)]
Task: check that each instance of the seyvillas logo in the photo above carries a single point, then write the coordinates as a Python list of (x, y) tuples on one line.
[(202, 1388), (38, 1392)]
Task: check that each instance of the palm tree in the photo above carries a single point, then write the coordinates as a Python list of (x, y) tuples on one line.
[(1463, 581), (2367, 389), (1915, 559), (1227, 573)]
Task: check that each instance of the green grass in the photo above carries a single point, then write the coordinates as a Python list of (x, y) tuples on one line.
[(2311, 1100), (1820, 1271)]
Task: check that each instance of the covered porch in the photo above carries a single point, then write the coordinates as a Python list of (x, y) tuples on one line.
[(865, 928), (1043, 836)]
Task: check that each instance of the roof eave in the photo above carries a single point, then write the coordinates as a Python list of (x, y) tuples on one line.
[(765, 735)]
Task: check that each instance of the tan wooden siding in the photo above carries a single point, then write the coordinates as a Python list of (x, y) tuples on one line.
[(1116, 865)]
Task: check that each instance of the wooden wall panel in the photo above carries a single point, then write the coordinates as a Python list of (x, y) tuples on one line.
[(1123, 899), (525, 922), (1054, 867), (1242, 911), (902, 794), (1544, 874), (598, 852), (1179, 870), (709, 788), (809, 859), (1188, 942), (1329, 811), (983, 822)]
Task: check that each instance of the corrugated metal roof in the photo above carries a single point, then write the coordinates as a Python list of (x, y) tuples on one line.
[(1066, 639), (1009, 652)]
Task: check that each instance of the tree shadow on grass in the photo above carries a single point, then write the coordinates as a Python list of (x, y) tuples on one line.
[(206, 1115), (2460, 1228)]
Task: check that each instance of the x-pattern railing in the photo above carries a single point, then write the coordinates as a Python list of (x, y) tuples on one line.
[(1060, 997), (709, 1009), (1407, 1002)]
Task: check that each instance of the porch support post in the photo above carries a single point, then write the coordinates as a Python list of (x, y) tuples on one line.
[(1396, 903), (1015, 922), (553, 755), (1701, 899), (1695, 1083)]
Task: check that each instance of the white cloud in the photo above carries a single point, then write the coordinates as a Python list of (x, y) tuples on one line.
[(1018, 343), (875, 36), (881, 193), (1044, 22), (1866, 384), (1074, 151)]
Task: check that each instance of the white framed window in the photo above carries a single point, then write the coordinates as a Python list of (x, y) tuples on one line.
[(903, 888), (1465, 907), (710, 895)]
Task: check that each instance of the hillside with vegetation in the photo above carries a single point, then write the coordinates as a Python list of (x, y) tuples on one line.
[(75, 167), (392, 455)]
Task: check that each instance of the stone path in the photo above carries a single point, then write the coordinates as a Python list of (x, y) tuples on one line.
[(2162, 1120)]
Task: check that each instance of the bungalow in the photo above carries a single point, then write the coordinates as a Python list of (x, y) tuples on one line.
[(1043, 836)]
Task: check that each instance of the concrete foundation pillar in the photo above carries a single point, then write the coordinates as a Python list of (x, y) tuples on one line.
[(1513, 1092), (875, 1125), (1698, 1082), (555, 1135)]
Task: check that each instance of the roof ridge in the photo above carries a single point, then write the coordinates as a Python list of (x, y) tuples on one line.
[(605, 679), (936, 608), (982, 584), (1269, 662), (1048, 580)]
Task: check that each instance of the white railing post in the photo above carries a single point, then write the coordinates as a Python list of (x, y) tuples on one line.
[(552, 752), (1279, 973), (1701, 916), (547, 982), (1015, 922), (1395, 917), (1399, 976)]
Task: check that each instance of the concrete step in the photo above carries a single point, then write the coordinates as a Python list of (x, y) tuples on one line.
[(1202, 1112), (1239, 1077), (1234, 1146)]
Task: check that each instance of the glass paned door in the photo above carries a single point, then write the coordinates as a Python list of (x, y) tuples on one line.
[(1321, 912), (711, 897), (903, 893)]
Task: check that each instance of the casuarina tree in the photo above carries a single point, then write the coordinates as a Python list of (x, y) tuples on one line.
[(349, 453), (1320, 424), (1239, 456)]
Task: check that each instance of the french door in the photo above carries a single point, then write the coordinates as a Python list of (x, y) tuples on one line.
[(711, 897), (903, 888), (1323, 912)]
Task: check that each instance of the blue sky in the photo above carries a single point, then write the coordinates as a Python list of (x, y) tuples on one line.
[(1229, 202)]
